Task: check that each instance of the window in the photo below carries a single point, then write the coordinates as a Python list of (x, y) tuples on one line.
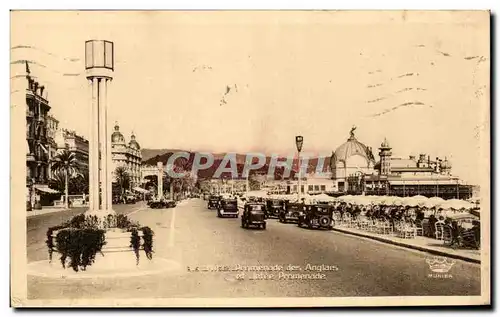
[(316, 187), (301, 188), (294, 188), (341, 186), (310, 188), (323, 188)]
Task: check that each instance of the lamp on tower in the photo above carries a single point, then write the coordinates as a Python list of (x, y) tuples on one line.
[(99, 54)]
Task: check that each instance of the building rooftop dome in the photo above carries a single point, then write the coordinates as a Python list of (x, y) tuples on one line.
[(133, 143), (350, 148), (117, 136)]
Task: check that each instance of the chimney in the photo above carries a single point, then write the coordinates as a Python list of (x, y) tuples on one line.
[(41, 91), (35, 87)]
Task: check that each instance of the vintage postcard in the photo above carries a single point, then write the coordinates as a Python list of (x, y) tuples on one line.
[(250, 158)]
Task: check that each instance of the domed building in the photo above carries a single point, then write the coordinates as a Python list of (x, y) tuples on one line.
[(126, 155), (410, 176), (350, 158)]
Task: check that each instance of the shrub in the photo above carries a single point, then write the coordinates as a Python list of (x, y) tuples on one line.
[(80, 245), (82, 237)]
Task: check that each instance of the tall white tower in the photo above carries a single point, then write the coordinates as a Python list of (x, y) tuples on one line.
[(99, 65)]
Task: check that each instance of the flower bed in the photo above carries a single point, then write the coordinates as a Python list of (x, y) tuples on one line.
[(81, 238)]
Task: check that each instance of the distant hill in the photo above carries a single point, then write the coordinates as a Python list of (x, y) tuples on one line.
[(150, 153), (151, 157)]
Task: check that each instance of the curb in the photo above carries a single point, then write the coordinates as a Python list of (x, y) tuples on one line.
[(410, 246)]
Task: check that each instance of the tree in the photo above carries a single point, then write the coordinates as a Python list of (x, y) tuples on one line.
[(80, 183), (122, 178), (65, 162), (152, 180), (57, 181), (253, 181)]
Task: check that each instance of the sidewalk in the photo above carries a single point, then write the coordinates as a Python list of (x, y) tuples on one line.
[(419, 243), (44, 210)]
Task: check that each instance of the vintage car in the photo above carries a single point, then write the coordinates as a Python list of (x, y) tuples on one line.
[(130, 199), (157, 203), (291, 213), (228, 207), (253, 215), (213, 202), (316, 216), (117, 200), (273, 208), (170, 203)]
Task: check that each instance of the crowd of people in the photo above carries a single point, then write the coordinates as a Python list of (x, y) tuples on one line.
[(458, 227), (456, 222)]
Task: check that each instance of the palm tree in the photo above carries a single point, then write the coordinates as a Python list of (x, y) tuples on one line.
[(65, 162), (122, 178)]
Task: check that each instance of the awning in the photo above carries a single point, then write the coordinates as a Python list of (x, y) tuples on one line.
[(46, 189), (141, 190)]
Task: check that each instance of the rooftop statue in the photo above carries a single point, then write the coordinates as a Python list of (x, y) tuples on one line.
[(352, 131)]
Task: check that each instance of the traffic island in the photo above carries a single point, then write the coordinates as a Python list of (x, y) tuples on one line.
[(92, 246)]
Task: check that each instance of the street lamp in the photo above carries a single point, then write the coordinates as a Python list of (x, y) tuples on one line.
[(299, 141)]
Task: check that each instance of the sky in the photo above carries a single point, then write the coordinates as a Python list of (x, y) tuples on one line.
[(252, 81)]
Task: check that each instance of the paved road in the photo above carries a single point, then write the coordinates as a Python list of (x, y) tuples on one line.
[(37, 228), (193, 236)]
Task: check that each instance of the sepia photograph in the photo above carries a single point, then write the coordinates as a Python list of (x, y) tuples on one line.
[(250, 158)]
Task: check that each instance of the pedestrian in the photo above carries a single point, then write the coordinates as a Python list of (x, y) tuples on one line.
[(432, 226)]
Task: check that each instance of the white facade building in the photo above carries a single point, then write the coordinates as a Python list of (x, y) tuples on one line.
[(126, 155)]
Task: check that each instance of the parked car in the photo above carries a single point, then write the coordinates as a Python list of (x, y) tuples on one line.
[(273, 208), (117, 200), (291, 213), (213, 202), (170, 203), (253, 215), (228, 207), (157, 203), (317, 216), (130, 199)]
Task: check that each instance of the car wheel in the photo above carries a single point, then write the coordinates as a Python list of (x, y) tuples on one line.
[(264, 226)]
